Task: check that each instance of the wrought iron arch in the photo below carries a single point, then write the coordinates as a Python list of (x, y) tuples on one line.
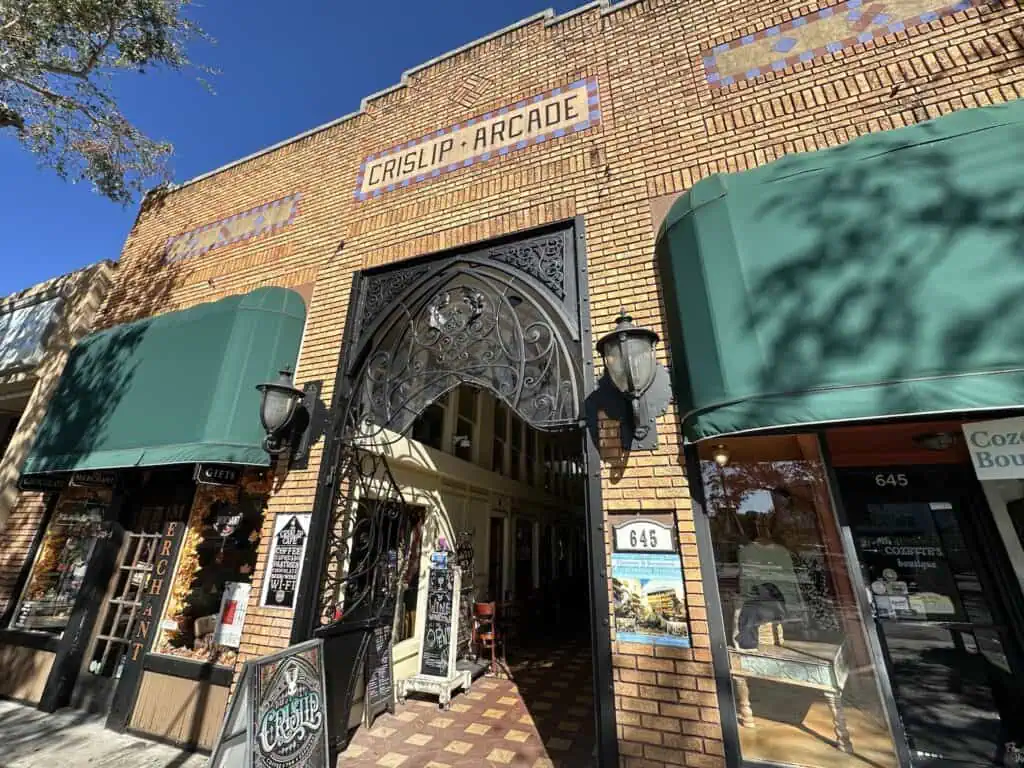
[(470, 321), (505, 317)]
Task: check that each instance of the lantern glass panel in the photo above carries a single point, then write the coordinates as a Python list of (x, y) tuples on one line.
[(276, 408), (615, 363), (641, 363)]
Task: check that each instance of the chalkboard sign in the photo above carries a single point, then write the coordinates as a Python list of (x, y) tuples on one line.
[(440, 633), (380, 683)]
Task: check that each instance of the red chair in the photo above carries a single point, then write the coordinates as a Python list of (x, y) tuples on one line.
[(486, 637)]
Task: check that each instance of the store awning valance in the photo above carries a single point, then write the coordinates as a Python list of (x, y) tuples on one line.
[(177, 388), (882, 277)]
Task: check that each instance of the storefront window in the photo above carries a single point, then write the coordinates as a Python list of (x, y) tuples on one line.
[(804, 681), (59, 569), (205, 610)]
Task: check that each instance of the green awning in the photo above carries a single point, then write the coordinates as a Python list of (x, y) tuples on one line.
[(883, 277), (177, 388)]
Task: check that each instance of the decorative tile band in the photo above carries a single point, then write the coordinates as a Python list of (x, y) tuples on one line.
[(246, 225), (818, 34), (527, 123)]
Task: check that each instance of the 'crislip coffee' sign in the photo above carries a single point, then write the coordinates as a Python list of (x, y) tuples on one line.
[(527, 123), (277, 717)]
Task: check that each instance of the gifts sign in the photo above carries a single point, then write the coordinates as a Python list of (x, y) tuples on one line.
[(288, 548), (437, 654)]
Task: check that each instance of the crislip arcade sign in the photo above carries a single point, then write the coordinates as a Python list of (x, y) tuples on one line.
[(563, 111), (277, 717)]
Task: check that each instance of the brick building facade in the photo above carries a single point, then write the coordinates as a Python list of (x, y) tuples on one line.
[(682, 92)]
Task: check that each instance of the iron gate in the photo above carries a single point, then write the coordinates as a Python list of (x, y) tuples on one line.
[(506, 317)]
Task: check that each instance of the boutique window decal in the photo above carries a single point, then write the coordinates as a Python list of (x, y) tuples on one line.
[(818, 34), (261, 220), (559, 112)]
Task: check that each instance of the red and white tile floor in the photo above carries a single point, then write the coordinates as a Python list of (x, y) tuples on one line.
[(543, 717)]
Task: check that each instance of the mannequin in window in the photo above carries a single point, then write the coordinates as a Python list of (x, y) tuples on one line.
[(769, 590)]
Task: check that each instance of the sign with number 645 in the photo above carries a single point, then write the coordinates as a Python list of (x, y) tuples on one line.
[(891, 480), (639, 535)]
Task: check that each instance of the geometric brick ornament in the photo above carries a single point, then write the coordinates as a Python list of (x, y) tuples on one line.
[(818, 34)]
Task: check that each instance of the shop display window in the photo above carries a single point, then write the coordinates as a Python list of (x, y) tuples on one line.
[(57, 574), (206, 607), (804, 681)]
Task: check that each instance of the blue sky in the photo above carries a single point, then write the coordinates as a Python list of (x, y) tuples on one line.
[(285, 68)]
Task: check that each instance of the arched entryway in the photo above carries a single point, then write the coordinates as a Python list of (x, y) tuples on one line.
[(459, 425)]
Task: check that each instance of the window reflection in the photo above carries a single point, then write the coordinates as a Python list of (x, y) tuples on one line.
[(804, 683)]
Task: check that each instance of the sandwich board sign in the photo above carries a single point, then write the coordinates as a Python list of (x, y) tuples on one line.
[(277, 717)]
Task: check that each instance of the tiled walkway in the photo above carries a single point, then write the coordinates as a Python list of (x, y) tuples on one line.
[(541, 718)]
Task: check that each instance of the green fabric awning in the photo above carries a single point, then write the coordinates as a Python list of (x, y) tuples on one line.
[(883, 277), (177, 388)]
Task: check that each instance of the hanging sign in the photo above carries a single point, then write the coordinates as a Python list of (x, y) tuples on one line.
[(996, 448), (277, 717), (233, 605), (42, 483), (94, 479), (284, 565), (640, 535), (218, 474), (528, 123)]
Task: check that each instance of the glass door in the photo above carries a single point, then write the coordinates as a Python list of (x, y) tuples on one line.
[(930, 575)]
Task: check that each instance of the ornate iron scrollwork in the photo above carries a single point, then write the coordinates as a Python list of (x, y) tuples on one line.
[(541, 258), (478, 328)]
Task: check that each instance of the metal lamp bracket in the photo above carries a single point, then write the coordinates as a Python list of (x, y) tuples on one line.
[(638, 418)]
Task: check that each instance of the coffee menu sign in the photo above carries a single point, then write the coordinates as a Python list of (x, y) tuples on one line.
[(287, 549), (559, 112), (277, 717)]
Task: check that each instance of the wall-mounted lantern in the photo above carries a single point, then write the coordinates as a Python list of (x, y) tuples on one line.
[(284, 415), (641, 382)]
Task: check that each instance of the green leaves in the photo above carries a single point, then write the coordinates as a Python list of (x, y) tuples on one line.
[(57, 62)]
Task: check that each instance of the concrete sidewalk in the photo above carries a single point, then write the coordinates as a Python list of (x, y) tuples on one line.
[(69, 739)]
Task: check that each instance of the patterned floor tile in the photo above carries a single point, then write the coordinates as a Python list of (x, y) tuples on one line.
[(522, 720), (392, 760), (501, 756), (458, 747)]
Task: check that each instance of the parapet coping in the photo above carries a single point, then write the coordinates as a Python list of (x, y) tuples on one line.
[(548, 16)]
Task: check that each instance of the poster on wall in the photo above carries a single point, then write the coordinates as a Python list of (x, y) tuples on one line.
[(287, 549), (233, 605), (650, 602)]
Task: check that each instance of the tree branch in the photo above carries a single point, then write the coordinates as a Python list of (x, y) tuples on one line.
[(86, 69)]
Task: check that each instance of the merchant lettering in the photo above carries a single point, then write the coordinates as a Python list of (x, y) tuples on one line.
[(514, 127)]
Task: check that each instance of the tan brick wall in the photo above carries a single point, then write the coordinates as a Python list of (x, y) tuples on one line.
[(662, 128), (21, 513)]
